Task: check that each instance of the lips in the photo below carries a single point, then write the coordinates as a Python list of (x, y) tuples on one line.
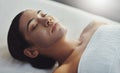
[(53, 27)]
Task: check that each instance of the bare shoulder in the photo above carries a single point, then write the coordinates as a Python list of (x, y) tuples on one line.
[(96, 22), (62, 69), (93, 25), (90, 29)]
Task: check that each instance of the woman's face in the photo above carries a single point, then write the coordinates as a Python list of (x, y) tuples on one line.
[(39, 29)]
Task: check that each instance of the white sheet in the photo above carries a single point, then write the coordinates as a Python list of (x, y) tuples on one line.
[(74, 19), (102, 54)]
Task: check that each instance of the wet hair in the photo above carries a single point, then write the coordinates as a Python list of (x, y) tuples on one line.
[(17, 44)]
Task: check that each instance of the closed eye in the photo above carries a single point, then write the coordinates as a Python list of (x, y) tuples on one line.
[(33, 27), (41, 14)]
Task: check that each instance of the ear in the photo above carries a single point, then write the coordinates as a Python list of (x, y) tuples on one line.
[(31, 52)]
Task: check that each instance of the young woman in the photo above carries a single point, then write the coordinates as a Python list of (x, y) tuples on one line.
[(37, 38)]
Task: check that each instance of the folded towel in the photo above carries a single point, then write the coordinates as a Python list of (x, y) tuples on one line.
[(102, 54)]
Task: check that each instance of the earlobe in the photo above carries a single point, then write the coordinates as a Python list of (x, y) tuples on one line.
[(30, 52)]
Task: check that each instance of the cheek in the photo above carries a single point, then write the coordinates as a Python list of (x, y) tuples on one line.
[(44, 39), (41, 38), (42, 35)]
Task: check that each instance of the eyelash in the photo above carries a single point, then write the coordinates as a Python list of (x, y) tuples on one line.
[(33, 27), (43, 14)]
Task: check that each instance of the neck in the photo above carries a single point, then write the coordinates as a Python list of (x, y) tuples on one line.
[(63, 49)]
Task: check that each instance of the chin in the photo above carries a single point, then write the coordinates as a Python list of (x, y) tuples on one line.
[(60, 32), (63, 33), (63, 30)]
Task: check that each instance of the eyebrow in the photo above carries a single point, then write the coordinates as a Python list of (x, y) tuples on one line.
[(32, 19), (39, 11)]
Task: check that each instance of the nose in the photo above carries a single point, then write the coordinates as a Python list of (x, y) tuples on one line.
[(46, 22)]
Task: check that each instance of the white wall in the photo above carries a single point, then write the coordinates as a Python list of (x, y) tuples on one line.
[(107, 8)]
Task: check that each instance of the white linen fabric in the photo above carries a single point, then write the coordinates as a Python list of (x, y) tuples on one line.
[(102, 54)]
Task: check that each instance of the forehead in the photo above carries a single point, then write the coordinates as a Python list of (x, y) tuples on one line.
[(27, 15)]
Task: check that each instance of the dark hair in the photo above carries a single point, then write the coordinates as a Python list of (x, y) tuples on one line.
[(17, 44)]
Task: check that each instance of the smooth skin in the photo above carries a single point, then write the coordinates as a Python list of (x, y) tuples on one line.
[(48, 37)]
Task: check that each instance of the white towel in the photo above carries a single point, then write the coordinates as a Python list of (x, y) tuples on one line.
[(102, 54)]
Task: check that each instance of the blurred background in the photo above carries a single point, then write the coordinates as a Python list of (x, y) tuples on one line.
[(106, 8)]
